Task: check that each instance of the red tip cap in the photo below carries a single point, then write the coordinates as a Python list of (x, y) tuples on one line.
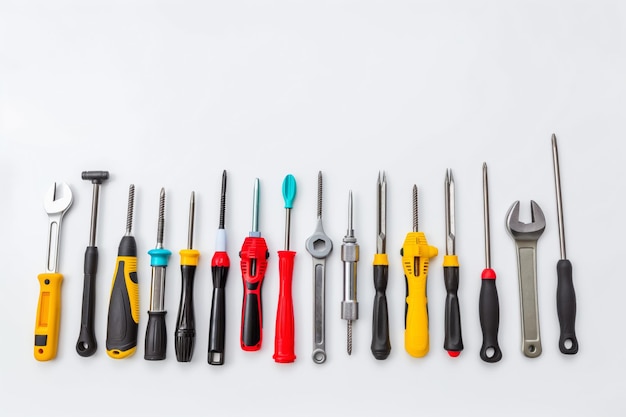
[(454, 353)]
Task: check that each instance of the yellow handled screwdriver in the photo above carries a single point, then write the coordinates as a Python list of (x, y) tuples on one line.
[(123, 317), (57, 201), (416, 254)]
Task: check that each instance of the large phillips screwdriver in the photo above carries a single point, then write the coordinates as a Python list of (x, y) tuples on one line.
[(416, 254), (86, 345), (488, 304), (350, 257), (453, 341), (565, 294), (57, 201), (284, 351), (220, 265), (156, 333), (185, 333), (253, 254), (319, 246), (123, 317), (381, 346), (526, 236)]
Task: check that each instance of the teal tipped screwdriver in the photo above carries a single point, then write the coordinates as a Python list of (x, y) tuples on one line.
[(285, 330), (156, 334)]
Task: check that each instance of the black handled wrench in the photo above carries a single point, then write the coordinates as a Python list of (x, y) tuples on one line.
[(526, 236)]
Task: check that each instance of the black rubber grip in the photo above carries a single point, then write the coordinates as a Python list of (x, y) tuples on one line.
[(566, 307), (252, 325), (489, 313), (381, 346), (185, 334), (86, 345), (217, 326), (156, 336), (453, 341)]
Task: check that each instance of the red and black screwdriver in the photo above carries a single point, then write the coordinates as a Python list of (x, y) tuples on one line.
[(219, 268), (253, 254)]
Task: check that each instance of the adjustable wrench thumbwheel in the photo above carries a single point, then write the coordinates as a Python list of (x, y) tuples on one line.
[(526, 236)]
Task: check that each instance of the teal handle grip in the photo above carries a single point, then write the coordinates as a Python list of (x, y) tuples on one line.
[(159, 257), (289, 190)]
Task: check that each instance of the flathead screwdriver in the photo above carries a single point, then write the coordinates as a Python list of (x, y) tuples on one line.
[(565, 295), (185, 333), (488, 304)]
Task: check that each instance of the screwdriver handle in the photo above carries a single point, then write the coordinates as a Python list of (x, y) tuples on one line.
[(123, 316), (185, 333), (284, 351), (566, 307), (86, 345), (416, 254), (381, 346), (220, 264), (48, 316), (489, 313), (453, 341), (253, 254)]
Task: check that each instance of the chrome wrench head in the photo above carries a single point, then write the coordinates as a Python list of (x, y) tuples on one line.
[(525, 231), (526, 236), (57, 201)]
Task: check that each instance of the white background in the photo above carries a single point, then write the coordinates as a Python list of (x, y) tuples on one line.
[(168, 94)]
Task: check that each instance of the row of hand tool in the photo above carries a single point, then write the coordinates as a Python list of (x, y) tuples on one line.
[(123, 311)]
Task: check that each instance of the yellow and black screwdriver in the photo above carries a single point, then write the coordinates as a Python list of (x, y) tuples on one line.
[(123, 317), (416, 254)]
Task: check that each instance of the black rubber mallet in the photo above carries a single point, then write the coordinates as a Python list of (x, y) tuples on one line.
[(86, 345)]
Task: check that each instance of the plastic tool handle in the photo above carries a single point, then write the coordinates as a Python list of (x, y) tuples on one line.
[(566, 307), (123, 317), (489, 313), (453, 341), (86, 345), (381, 346), (416, 339), (254, 256), (156, 336), (48, 316), (185, 334), (220, 265), (284, 339)]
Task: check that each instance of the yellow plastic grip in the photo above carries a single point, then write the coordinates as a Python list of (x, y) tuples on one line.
[(48, 316), (451, 260), (416, 254), (122, 326), (381, 259), (189, 257)]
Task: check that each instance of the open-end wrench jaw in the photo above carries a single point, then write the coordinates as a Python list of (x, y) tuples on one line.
[(58, 198), (525, 231)]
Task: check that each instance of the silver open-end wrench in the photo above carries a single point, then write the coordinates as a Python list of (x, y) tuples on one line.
[(56, 202), (319, 246), (526, 236)]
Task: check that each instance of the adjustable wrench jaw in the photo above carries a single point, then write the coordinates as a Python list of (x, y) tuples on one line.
[(526, 236)]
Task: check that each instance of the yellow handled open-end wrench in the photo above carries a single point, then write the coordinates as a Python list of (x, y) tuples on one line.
[(57, 201)]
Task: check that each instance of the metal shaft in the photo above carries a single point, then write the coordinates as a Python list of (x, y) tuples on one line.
[(486, 218), (94, 214), (255, 209), (381, 210), (350, 257), (449, 208), (559, 202), (192, 210), (415, 218), (287, 227), (129, 213), (223, 200), (161, 222)]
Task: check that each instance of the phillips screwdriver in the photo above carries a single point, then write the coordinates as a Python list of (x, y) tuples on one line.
[(488, 304), (453, 341), (123, 317), (156, 334), (284, 337), (86, 345), (185, 333), (220, 265), (381, 346), (416, 254), (253, 254), (565, 294), (350, 257)]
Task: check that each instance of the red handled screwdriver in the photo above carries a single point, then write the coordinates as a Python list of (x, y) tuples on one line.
[(253, 254), (284, 339)]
